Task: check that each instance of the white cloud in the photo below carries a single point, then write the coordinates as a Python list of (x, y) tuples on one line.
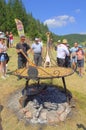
[(77, 11), (59, 21), (82, 32)]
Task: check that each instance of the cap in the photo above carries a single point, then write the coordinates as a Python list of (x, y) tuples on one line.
[(36, 39), (80, 46)]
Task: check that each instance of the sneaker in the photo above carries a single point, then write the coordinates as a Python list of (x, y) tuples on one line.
[(3, 77)]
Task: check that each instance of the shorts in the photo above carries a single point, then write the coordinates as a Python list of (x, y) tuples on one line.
[(11, 41), (2, 58), (80, 63), (74, 59)]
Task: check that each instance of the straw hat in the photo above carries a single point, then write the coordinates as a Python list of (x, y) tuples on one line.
[(64, 41)]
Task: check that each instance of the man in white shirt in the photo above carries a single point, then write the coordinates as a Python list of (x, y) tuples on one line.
[(37, 50), (62, 52)]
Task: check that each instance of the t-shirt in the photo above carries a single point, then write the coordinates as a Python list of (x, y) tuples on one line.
[(80, 54), (62, 51), (37, 48), (25, 47), (73, 51), (2, 47)]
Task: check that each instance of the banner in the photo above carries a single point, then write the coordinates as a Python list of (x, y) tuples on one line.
[(20, 27)]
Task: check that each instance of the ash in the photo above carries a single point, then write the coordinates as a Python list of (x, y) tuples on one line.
[(47, 107)]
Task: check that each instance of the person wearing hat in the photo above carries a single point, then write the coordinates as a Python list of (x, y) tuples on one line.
[(3, 59), (58, 42), (22, 46), (80, 60), (62, 52), (36, 48)]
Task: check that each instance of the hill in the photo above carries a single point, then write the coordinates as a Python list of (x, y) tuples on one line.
[(80, 38)]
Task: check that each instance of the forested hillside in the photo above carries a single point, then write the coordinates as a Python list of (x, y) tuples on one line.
[(15, 9), (80, 38)]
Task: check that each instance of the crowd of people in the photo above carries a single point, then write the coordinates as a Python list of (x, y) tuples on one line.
[(71, 57), (66, 57)]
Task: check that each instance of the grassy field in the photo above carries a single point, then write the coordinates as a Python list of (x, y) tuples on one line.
[(75, 84)]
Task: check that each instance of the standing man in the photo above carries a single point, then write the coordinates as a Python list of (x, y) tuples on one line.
[(7, 40), (37, 50), (73, 55), (22, 47), (62, 52)]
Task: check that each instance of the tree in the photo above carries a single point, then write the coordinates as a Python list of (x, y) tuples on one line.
[(2, 15)]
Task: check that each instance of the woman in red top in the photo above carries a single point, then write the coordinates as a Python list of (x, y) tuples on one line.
[(11, 39)]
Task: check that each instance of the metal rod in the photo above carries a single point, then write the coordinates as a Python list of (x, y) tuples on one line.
[(65, 89)]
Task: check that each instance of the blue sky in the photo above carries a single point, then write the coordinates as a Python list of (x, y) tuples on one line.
[(61, 16)]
